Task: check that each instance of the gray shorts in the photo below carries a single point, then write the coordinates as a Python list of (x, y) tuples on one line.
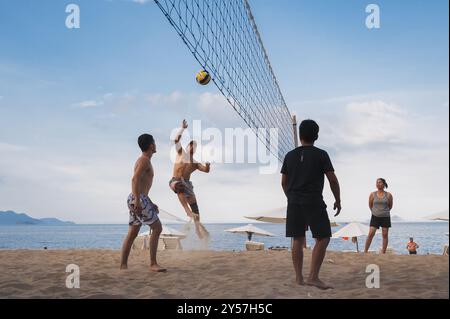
[(149, 214), (182, 186)]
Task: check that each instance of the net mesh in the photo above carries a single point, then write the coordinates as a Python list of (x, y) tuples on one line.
[(223, 37)]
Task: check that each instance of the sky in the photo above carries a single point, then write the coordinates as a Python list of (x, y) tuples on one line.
[(74, 101)]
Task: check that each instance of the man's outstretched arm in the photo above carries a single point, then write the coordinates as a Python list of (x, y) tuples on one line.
[(335, 188), (205, 168), (177, 140)]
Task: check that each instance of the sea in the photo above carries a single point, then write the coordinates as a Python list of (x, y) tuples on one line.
[(431, 237)]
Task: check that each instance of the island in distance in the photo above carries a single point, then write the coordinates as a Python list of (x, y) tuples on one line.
[(12, 218)]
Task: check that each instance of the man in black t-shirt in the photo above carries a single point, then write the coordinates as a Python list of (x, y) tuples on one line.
[(303, 174)]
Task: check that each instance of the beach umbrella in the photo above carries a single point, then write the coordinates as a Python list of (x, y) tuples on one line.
[(334, 224), (167, 232), (276, 216), (438, 216), (353, 231), (250, 230)]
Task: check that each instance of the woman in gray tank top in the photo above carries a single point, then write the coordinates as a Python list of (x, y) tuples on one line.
[(380, 204)]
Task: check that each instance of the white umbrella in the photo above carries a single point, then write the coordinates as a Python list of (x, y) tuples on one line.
[(438, 216), (250, 230), (276, 216), (334, 224), (353, 230), (166, 231)]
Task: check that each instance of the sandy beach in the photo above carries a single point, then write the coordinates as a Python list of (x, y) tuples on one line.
[(206, 274)]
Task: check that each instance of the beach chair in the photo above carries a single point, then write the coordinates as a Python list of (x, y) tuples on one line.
[(254, 246), (278, 248), (161, 245), (445, 250), (141, 243), (169, 243)]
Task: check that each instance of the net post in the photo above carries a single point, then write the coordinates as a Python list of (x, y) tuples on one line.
[(294, 127)]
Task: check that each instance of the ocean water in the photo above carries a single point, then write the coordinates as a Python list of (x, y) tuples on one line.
[(431, 237)]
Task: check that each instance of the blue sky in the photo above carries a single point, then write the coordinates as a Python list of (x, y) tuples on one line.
[(72, 103)]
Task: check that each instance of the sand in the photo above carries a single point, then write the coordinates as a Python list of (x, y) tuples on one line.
[(206, 274)]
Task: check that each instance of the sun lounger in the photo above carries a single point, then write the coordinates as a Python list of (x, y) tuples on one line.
[(445, 250), (141, 243), (278, 248), (169, 243), (254, 246)]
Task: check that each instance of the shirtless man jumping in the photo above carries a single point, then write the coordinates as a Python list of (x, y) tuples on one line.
[(142, 210), (184, 166)]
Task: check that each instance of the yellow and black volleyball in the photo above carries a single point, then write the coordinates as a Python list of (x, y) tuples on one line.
[(203, 77)]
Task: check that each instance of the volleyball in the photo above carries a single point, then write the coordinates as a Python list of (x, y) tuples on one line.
[(203, 77)]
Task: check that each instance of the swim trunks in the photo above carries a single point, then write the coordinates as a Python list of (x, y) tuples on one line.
[(182, 186), (149, 213)]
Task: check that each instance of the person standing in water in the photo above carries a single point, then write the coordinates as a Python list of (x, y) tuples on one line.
[(412, 246), (380, 204)]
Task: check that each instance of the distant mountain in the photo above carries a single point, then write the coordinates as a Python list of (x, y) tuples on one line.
[(396, 218), (13, 218), (438, 216)]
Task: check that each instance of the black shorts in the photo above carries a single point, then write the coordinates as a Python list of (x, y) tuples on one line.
[(383, 222), (413, 252), (299, 217)]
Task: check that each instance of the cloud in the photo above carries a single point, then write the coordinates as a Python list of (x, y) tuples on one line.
[(174, 99), (5, 147), (140, 1), (67, 187), (373, 122), (88, 104), (386, 135), (211, 108), (382, 125), (367, 138)]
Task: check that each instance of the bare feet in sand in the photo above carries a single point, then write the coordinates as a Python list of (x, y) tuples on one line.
[(300, 281), (123, 267), (318, 284), (157, 268)]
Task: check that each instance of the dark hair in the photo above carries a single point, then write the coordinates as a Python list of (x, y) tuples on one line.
[(384, 182), (309, 131), (144, 142)]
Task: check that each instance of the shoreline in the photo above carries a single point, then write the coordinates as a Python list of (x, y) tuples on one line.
[(118, 250)]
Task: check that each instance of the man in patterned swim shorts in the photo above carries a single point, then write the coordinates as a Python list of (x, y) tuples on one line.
[(142, 210)]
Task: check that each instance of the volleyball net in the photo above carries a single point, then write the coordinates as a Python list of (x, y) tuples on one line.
[(223, 37)]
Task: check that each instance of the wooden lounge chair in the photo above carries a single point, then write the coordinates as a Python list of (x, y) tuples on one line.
[(254, 246), (445, 250), (169, 243)]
